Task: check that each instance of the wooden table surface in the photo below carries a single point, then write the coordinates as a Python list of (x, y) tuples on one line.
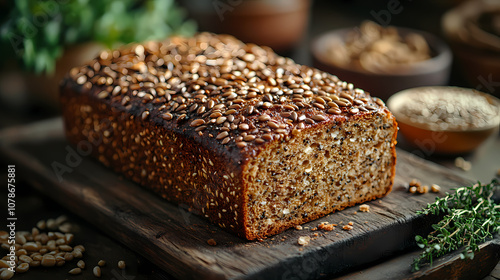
[(33, 205), (176, 241)]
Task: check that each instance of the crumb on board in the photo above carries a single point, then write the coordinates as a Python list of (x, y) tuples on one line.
[(423, 189), (347, 227), (364, 208), (350, 223), (298, 227), (303, 240), (211, 242), (415, 183), (326, 226)]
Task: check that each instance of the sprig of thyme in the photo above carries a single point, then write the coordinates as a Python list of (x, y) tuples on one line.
[(470, 217)]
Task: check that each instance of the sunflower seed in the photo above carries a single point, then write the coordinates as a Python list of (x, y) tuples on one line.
[(75, 271), (96, 271)]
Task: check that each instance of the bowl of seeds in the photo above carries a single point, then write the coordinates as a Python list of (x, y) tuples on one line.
[(445, 119), (383, 60)]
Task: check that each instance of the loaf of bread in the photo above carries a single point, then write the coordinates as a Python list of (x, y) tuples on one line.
[(246, 138)]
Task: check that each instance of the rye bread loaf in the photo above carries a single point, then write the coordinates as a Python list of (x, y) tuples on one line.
[(248, 139)]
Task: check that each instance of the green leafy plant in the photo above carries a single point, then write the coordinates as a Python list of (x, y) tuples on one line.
[(38, 31), (470, 217)]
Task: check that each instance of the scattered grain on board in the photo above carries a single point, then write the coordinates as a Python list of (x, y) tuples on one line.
[(326, 226), (43, 245), (75, 271), (211, 242), (347, 227), (423, 189), (303, 240), (364, 208), (435, 188), (121, 265), (96, 271), (81, 264)]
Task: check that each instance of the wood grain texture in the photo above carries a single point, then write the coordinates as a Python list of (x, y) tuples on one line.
[(449, 266), (176, 240)]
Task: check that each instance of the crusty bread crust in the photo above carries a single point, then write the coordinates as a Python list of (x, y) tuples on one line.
[(194, 119)]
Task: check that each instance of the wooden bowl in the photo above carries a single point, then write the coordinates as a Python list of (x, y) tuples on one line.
[(279, 24), (434, 71), (476, 50), (442, 141)]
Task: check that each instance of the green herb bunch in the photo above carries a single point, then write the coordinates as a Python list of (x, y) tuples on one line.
[(39, 30), (470, 217)]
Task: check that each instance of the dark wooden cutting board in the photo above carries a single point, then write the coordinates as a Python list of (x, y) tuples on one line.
[(176, 240)]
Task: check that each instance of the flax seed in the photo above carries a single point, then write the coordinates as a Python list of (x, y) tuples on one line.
[(167, 116), (341, 103), (334, 111), (318, 105), (272, 125), (145, 115), (260, 141), (249, 138), (197, 122), (222, 135), (241, 144), (221, 120), (102, 94), (264, 118)]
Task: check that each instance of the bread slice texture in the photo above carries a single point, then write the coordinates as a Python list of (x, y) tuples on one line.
[(246, 138)]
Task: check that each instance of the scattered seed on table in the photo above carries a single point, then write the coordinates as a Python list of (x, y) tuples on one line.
[(79, 247), (303, 240), (81, 264), (101, 263), (75, 271), (77, 254), (347, 227), (97, 271), (121, 264)]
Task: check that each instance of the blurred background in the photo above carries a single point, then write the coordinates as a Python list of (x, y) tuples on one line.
[(42, 40)]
